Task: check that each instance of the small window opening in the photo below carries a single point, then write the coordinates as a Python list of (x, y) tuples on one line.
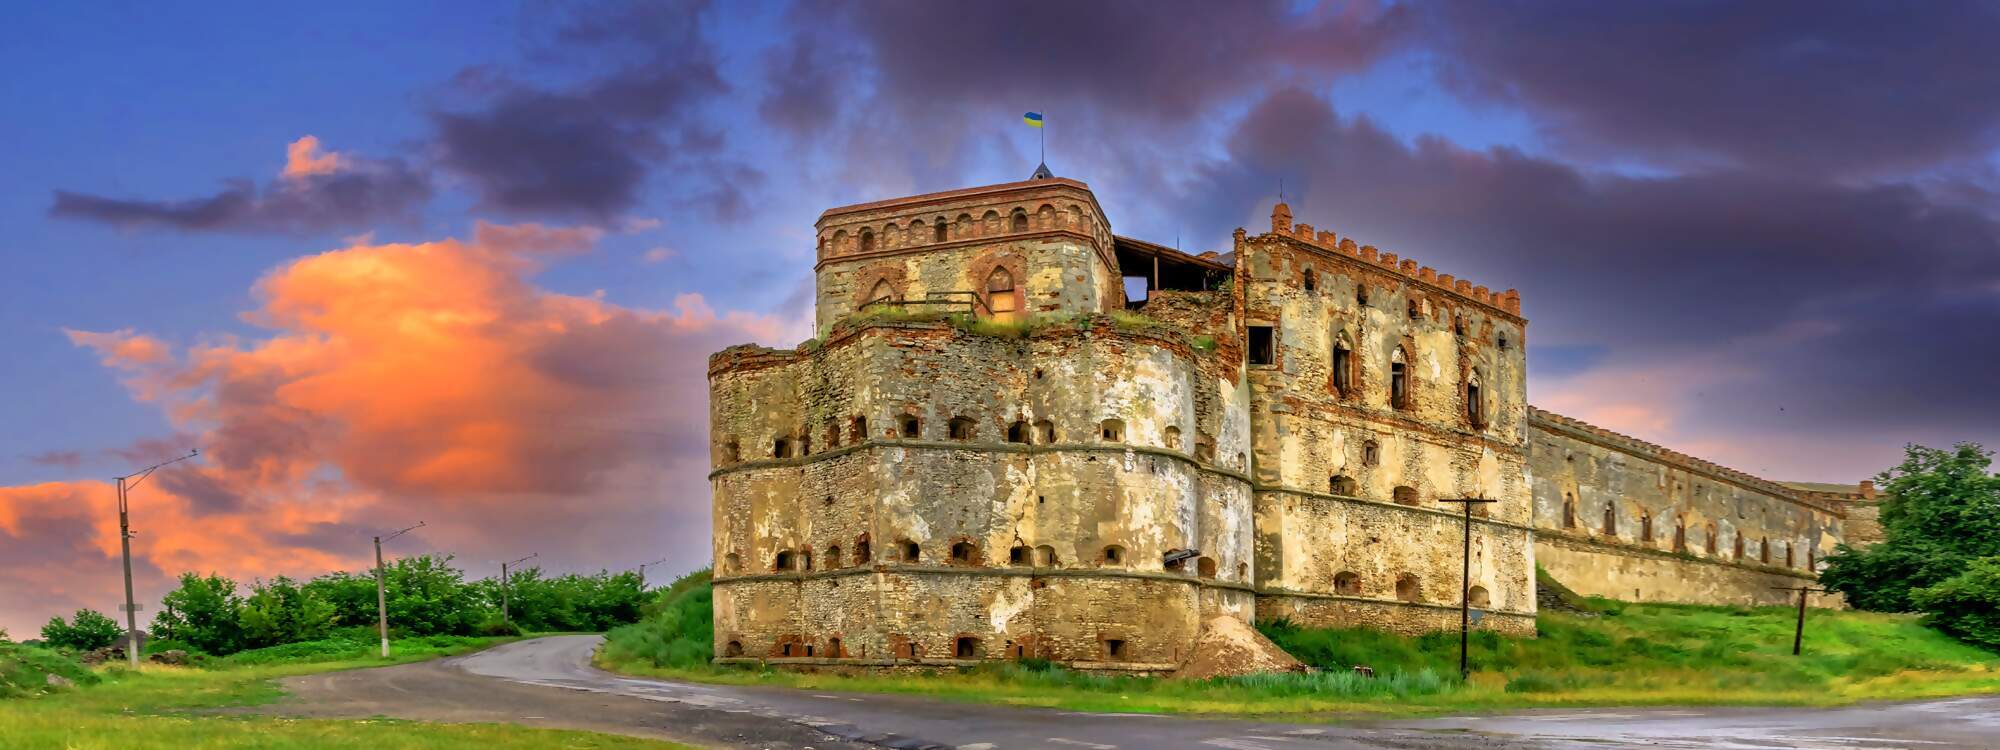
[(1714, 541), (1261, 349), (1171, 437), (1347, 583), (1738, 552), (1205, 567), (863, 554), (909, 426), (1114, 649), (961, 428), (781, 448), (1646, 527), (967, 647), (1361, 294), (833, 557), (1569, 511), (1503, 342), (1020, 220), (805, 560), (1343, 368), (1764, 549), (1175, 566), (963, 553), (941, 232), (1414, 310), (1399, 386), (857, 429), (833, 648), (1680, 535), (1478, 597), (906, 650), (867, 241), (1112, 430), (1458, 326), (1610, 519), (1475, 405), (731, 452), (1017, 432), (732, 648), (1020, 555), (1114, 555), (1342, 485), (1405, 495), (784, 561), (1045, 432), (731, 563), (1371, 453), (911, 552), (1311, 281), (1407, 589), (1000, 291), (1045, 556), (1788, 556)]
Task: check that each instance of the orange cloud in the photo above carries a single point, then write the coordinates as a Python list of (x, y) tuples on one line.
[(402, 382), (303, 159)]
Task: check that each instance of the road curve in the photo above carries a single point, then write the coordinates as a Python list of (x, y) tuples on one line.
[(549, 682)]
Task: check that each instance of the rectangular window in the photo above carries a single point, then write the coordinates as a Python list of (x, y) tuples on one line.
[(1342, 379), (1399, 386), (1262, 350)]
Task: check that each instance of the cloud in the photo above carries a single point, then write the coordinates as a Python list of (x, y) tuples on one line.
[(584, 150), (58, 459), (659, 255), (315, 192), (1746, 291), (401, 382), (1820, 88)]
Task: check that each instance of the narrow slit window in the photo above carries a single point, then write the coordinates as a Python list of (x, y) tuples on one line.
[(1343, 368), (942, 232)]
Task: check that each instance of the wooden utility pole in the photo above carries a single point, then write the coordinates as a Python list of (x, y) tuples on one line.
[(504, 617), (642, 572), (381, 591), (1799, 635), (1465, 586), (125, 546)]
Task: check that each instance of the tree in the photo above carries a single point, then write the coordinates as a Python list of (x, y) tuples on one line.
[(204, 612), (1966, 605), (88, 630), (1941, 513), (281, 612)]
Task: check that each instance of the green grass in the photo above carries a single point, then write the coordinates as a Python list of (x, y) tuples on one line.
[(164, 707), (1606, 653)]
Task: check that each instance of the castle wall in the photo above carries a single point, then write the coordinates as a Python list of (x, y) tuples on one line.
[(1064, 501), (1621, 518), (1349, 477)]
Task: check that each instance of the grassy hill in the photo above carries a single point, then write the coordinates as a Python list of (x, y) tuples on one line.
[(1589, 652)]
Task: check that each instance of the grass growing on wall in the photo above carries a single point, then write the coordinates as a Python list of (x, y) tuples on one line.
[(167, 708), (1605, 653)]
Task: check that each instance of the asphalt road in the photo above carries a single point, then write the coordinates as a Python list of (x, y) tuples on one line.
[(549, 682)]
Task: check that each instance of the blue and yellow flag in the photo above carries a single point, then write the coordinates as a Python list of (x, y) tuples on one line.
[(1034, 119)]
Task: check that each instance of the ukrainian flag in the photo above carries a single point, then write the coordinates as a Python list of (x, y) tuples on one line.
[(1034, 119)]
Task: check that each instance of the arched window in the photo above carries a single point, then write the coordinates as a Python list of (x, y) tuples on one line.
[(1045, 556), (964, 553), (805, 559), (781, 447), (882, 291), (1680, 534), (731, 563), (1569, 511), (1414, 310), (961, 428), (1405, 495), (909, 426), (1204, 449), (833, 557), (1017, 432), (1361, 294), (1114, 555), (1342, 485), (1610, 519), (833, 649), (1347, 583), (1477, 597), (1020, 220), (732, 649), (1020, 554), (862, 554), (1171, 437), (966, 647), (1407, 588), (1764, 549), (1399, 380), (1205, 567), (1343, 366), (867, 241), (1645, 527), (1311, 281), (1714, 542), (1000, 291), (1112, 430), (857, 429), (1503, 342), (1739, 545), (1458, 325), (1475, 402), (941, 232), (1788, 554), (1045, 432), (911, 552), (731, 452), (784, 561)]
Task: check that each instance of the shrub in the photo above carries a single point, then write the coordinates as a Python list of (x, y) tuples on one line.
[(678, 630), (202, 612), (494, 627), (88, 630), (1967, 605), (282, 612)]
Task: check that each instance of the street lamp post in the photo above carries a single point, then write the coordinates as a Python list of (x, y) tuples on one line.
[(504, 617), (1465, 585), (382, 590), (642, 572), (125, 546)]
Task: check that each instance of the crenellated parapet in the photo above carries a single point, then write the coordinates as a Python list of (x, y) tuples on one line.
[(1281, 225)]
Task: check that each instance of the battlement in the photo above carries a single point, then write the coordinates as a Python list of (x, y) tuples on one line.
[(1545, 419), (957, 217), (1281, 225)]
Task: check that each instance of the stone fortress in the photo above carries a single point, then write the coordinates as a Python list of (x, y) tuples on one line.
[(992, 451)]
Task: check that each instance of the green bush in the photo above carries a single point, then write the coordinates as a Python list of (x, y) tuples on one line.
[(282, 612), (495, 627), (88, 630), (1967, 605), (1941, 512), (677, 631), (203, 612)]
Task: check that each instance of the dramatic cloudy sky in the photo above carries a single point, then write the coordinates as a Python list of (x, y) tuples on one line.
[(461, 263)]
